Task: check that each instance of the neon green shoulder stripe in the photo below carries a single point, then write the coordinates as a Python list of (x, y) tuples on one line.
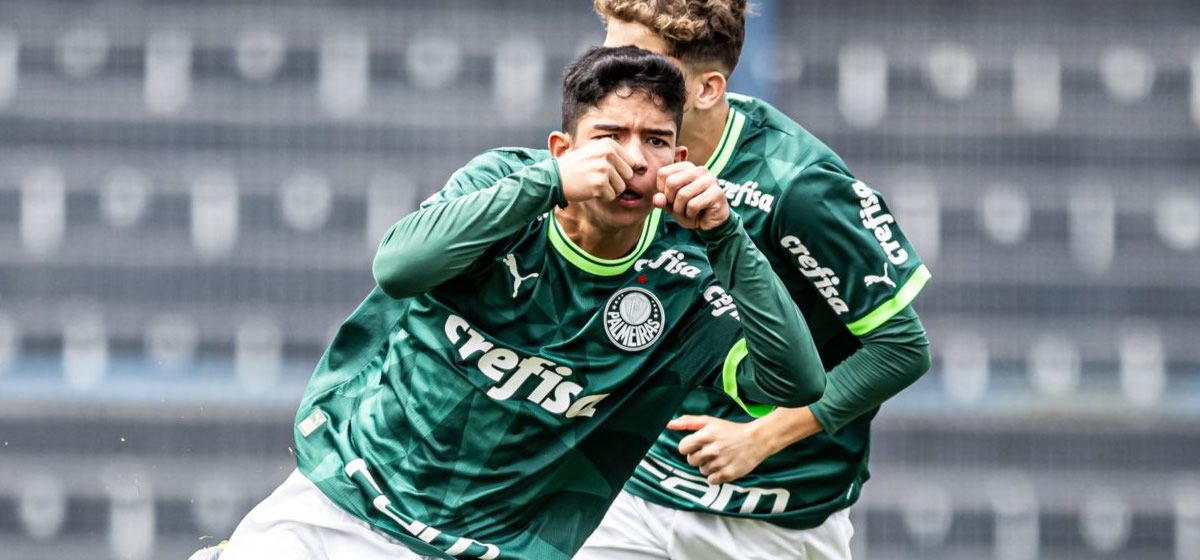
[(728, 144), (729, 380), (595, 265), (907, 293)]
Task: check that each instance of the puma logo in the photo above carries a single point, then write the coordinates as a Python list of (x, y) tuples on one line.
[(511, 262), (871, 279)]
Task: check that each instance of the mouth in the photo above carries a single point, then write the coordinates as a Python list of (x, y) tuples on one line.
[(629, 199)]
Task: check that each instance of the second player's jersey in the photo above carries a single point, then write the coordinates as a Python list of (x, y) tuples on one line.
[(498, 415), (836, 246)]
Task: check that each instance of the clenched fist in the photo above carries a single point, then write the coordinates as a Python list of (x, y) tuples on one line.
[(596, 170), (691, 195)]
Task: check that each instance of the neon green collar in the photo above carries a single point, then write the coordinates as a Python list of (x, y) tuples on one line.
[(595, 265), (728, 144)]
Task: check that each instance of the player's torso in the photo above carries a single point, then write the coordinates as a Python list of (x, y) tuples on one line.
[(512, 402)]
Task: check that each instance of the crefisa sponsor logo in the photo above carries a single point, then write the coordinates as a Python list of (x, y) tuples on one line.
[(746, 193), (879, 223), (538, 379), (825, 280), (670, 261)]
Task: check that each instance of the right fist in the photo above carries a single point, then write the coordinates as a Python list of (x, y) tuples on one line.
[(597, 169)]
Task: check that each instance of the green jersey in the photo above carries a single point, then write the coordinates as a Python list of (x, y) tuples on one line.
[(849, 268), (492, 396)]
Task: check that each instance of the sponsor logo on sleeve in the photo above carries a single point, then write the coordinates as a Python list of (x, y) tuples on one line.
[(746, 193), (721, 302), (825, 280), (879, 223)]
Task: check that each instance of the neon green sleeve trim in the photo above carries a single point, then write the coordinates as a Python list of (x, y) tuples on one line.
[(729, 380), (904, 296)]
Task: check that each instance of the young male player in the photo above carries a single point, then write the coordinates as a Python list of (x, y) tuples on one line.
[(847, 265), (491, 396)]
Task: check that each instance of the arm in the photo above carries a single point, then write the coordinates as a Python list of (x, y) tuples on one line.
[(439, 241), (835, 230), (777, 361), (891, 358), (780, 364), (457, 225)]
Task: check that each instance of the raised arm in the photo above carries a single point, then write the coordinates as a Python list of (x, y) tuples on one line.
[(459, 224), (439, 241), (778, 362)]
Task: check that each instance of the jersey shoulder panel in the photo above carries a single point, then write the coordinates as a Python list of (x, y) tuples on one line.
[(835, 230)]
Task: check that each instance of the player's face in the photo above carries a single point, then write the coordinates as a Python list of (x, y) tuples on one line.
[(647, 133)]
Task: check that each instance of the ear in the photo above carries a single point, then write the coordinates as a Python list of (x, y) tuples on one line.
[(680, 153), (558, 143), (710, 89)]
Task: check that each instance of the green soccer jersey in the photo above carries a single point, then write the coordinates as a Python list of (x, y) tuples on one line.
[(849, 268), (496, 412)]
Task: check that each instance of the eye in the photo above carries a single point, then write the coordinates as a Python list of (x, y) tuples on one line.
[(612, 135), (658, 142)]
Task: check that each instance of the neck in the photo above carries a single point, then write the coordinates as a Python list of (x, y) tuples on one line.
[(704, 131), (595, 239)]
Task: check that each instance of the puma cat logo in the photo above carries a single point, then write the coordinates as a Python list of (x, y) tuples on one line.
[(511, 262), (871, 279)]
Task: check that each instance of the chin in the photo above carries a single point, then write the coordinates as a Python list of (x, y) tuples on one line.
[(628, 217)]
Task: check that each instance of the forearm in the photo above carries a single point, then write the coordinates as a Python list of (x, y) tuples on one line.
[(782, 365), (437, 242), (892, 357)]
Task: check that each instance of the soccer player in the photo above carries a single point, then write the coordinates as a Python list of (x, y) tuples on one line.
[(534, 327), (837, 247)]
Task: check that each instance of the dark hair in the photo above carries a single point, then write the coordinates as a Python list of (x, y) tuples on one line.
[(700, 33), (601, 71)]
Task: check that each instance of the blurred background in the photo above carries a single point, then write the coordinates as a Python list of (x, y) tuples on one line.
[(191, 192)]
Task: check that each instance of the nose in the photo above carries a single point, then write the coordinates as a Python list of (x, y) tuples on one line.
[(637, 157)]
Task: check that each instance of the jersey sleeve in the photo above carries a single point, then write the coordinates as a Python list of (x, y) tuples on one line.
[(484, 171), (776, 361), (840, 234), (441, 240)]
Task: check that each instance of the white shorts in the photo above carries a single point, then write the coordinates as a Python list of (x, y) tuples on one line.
[(298, 522), (635, 529)]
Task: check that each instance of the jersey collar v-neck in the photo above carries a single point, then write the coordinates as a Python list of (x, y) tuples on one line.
[(595, 265), (734, 123)]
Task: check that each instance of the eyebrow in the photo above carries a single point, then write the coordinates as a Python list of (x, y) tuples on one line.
[(619, 128)]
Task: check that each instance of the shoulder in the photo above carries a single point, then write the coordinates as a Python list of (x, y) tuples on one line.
[(781, 157), (504, 161), (484, 170)]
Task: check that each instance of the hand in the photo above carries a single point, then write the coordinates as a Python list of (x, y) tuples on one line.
[(595, 170), (724, 451), (691, 195)]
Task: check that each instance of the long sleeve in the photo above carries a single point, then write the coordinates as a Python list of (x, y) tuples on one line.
[(892, 357), (780, 364), (439, 241)]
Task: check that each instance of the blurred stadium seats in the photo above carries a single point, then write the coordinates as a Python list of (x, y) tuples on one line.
[(190, 196)]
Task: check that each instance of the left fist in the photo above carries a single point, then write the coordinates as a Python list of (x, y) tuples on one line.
[(691, 195)]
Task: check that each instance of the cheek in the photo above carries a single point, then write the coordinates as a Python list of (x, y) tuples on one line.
[(663, 156)]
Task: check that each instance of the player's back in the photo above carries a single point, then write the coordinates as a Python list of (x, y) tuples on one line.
[(501, 412)]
